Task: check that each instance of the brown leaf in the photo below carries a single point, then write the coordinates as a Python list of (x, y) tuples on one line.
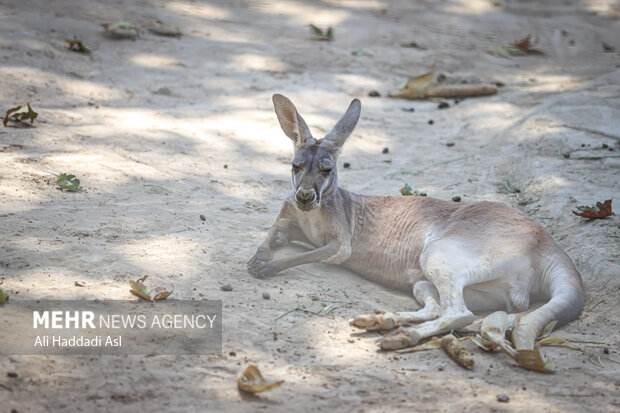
[(20, 113), (79, 284), (252, 381), (3, 297), (599, 211), (139, 289), (416, 87), (526, 46)]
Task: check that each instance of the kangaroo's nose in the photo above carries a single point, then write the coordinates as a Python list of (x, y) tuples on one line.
[(305, 195)]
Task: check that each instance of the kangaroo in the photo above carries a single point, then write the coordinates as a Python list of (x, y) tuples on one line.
[(456, 258)]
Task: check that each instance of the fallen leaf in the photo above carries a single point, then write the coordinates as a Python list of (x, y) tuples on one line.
[(68, 182), (457, 352), (3, 297), (163, 29), (76, 45), (320, 35), (492, 336), (599, 211), (139, 288), (252, 381), (20, 113), (526, 46), (517, 48), (121, 30), (406, 190), (416, 87), (79, 284)]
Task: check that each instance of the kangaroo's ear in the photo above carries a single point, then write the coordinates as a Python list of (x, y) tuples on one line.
[(291, 122), (339, 134)]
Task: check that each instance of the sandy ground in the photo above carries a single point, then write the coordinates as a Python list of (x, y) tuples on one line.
[(161, 130)]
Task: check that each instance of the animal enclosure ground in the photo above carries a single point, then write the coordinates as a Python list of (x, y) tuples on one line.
[(161, 130)]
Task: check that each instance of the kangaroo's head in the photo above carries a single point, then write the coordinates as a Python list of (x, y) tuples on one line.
[(314, 164)]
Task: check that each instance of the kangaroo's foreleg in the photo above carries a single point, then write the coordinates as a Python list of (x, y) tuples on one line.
[(278, 236), (324, 253)]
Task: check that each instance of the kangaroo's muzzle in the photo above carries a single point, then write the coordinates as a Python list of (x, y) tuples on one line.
[(306, 198)]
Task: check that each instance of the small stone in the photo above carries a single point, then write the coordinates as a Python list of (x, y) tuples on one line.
[(408, 109), (232, 354), (350, 340), (347, 165), (456, 198), (12, 374), (266, 296), (374, 94), (450, 144), (606, 350), (226, 287), (443, 105), (386, 150), (430, 122), (503, 398), (225, 166), (203, 217)]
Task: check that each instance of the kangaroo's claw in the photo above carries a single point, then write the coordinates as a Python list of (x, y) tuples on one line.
[(374, 322), (401, 338), (261, 269)]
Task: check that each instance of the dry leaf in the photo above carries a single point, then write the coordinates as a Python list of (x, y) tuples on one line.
[(493, 329), (457, 352), (76, 45), (68, 182), (600, 211), (138, 288), (526, 46), (20, 113), (416, 87), (163, 29), (318, 34), (79, 284), (252, 381), (3, 297), (121, 30), (517, 48)]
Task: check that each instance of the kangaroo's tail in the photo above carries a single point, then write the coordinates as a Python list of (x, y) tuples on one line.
[(563, 284)]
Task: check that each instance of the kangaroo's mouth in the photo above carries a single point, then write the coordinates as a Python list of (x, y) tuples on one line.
[(307, 206)]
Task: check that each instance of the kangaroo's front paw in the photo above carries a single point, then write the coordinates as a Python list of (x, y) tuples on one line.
[(261, 269), (401, 338), (374, 322)]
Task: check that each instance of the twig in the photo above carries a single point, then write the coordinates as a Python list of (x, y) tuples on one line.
[(514, 191)]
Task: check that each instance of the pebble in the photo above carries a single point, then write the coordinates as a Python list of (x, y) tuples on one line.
[(266, 296), (386, 150), (408, 109), (450, 144), (226, 287), (430, 122), (443, 105), (203, 217), (12, 374), (347, 165), (350, 340), (373, 94), (503, 398), (456, 198)]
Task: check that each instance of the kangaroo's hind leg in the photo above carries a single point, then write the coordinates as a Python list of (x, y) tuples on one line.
[(440, 269), (425, 294)]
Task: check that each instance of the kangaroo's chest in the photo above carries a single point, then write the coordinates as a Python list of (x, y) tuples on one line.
[(313, 226)]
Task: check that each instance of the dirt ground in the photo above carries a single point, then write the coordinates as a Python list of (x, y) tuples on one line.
[(161, 130)]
